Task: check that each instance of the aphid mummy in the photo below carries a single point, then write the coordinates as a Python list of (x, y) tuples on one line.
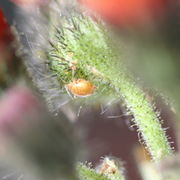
[(81, 88)]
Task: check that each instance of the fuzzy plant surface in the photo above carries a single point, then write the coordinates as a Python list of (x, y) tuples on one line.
[(81, 48)]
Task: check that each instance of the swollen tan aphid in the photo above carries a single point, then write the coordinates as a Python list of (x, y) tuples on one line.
[(80, 88)]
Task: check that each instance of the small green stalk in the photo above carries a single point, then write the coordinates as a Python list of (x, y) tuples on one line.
[(87, 173)]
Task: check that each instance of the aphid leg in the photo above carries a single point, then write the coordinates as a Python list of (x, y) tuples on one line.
[(79, 111), (73, 73), (68, 92)]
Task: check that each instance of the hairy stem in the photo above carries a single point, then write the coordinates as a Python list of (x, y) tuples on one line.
[(80, 50)]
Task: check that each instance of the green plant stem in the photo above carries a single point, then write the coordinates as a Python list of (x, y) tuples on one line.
[(145, 118)]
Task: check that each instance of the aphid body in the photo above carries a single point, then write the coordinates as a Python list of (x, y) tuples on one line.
[(81, 88)]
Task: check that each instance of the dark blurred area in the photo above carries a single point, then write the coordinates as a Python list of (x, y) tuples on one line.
[(8, 9)]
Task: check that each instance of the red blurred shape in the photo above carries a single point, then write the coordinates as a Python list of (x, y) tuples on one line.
[(6, 37), (127, 12)]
